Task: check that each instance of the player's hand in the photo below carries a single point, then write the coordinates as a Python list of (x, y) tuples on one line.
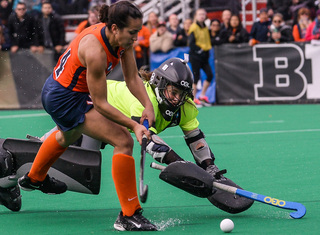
[(232, 38), (148, 113), (139, 131)]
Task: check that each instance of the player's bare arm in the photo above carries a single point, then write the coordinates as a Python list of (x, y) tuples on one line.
[(89, 50), (136, 86)]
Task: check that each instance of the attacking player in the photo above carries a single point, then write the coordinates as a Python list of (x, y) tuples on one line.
[(75, 96), (169, 88)]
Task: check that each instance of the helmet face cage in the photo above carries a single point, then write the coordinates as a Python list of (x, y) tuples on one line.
[(166, 106), (173, 72), (163, 88)]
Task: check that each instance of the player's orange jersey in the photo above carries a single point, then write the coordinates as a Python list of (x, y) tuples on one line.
[(70, 72)]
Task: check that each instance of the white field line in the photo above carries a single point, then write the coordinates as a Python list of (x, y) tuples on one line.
[(175, 136), (251, 133), (266, 122), (24, 115)]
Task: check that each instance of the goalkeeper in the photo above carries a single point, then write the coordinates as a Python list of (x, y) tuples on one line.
[(169, 88)]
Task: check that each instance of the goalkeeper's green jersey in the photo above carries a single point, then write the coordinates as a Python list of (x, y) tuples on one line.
[(121, 98)]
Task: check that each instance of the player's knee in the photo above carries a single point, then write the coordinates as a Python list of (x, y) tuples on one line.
[(128, 143), (125, 144), (198, 146)]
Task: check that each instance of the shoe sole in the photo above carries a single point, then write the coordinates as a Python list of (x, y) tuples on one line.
[(119, 227), (205, 103), (25, 189), (29, 190)]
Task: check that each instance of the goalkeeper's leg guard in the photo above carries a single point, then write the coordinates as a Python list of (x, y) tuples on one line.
[(223, 200), (188, 177), (79, 168), (9, 192)]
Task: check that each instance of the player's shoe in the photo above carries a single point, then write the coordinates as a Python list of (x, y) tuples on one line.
[(216, 173), (136, 222), (204, 101), (50, 185), (227, 201), (11, 198), (197, 103)]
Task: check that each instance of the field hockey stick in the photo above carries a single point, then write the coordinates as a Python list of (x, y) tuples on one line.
[(299, 209), (143, 189)]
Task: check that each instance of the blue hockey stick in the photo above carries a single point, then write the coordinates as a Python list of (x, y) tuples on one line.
[(299, 209)]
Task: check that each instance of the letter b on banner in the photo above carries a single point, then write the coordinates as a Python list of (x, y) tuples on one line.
[(280, 77)]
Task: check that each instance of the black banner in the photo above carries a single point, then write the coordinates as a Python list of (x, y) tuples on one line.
[(268, 73)]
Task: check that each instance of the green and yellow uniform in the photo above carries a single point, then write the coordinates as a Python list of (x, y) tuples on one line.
[(124, 101)]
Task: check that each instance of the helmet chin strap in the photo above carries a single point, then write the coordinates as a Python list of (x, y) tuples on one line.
[(158, 95)]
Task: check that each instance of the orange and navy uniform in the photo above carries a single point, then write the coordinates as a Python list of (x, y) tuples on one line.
[(71, 73)]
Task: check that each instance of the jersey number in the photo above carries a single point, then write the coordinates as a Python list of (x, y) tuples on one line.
[(63, 61)]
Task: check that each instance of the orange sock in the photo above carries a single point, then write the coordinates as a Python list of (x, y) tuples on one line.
[(48, 153), (124, 177)]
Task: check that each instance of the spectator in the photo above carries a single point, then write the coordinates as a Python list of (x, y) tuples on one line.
[(313, 30), (22, 29), (4, 38), (50, 30), (297, 5), (260, 29), (300, 29), (182, 35), (279, 6), (161, 40), (215, 30), (225, 18), (5, 10), (141, 47), (93, 18), (279, 31), (33, 6), (174, 27), (152, 22), (200, 45), (235, 33)]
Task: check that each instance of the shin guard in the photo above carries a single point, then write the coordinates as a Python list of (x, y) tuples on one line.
[(124, 177)]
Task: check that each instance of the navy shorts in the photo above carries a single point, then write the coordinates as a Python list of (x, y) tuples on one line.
[(67, 108)]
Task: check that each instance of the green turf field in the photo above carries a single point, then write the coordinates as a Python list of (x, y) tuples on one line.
[(268, 149)]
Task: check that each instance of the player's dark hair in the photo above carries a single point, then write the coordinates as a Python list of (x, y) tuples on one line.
[(119, 13), (238, 17)]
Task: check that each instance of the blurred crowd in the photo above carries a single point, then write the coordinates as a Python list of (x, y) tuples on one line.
[(37, 25)]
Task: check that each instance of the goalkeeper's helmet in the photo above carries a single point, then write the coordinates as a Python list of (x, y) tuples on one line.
[(171, 76)]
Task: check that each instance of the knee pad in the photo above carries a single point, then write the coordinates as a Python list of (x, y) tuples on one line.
[(198, 146)]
